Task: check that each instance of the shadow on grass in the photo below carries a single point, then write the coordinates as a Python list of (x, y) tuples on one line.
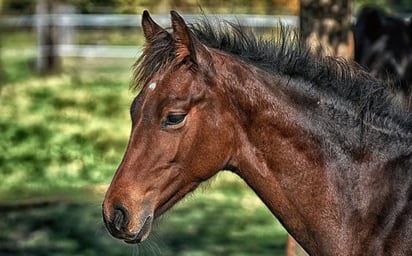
[(56, 229), (195, 227)]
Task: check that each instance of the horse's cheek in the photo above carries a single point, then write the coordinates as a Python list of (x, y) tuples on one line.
[(215, 148)]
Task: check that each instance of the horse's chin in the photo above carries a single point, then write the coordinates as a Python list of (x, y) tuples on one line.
[(142, 234)]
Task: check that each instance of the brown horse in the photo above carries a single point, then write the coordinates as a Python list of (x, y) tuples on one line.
[(325, 146)]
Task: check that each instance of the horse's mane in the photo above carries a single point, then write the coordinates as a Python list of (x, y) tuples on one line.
[(334, 78)]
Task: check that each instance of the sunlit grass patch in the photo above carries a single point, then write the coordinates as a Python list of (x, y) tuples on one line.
[(64, 130)]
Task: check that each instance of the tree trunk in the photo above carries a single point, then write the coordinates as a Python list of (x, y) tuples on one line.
[(48, 60), (325, 26), (1, 37)]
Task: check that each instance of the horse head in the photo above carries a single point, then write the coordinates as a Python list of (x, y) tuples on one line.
[(177, 139)]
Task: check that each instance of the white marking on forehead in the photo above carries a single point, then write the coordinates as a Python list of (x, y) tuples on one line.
[(152, 86)]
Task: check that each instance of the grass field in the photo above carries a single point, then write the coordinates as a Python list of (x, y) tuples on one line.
[(62, 137)]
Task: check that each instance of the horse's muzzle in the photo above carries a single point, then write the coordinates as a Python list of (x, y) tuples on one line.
[(118, 224)]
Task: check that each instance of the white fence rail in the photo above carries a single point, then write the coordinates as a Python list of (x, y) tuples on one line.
[(112, 20), (68, 23)]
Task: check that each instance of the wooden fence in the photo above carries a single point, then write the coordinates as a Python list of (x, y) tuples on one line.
[(56, 29)]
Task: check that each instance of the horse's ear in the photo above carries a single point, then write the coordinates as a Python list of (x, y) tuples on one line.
[(183, 41), (150, 28)]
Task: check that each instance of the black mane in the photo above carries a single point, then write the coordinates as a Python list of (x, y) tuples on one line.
[(333, 78)]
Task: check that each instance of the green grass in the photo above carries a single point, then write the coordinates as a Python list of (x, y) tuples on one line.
[(225, 219), (62, 137), (67, 130), (18, 38)]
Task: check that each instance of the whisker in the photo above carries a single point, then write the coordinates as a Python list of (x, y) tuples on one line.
[(136, 250)]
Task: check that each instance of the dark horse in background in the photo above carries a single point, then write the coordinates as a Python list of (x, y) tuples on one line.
[(327, 147), (383, 44)]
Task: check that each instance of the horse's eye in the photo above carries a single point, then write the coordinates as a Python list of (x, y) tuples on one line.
[(174, 119)]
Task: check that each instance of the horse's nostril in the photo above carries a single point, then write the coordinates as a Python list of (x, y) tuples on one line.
[(120, 217)]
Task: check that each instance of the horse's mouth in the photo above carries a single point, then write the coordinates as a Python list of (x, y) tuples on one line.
[(146, 228), (143, 232), (147, 225)]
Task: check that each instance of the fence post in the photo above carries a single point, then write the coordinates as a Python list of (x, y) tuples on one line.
[(66, 33), (47, 60), (1, 43)]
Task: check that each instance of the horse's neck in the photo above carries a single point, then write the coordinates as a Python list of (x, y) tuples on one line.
[(284, 162), (278, 160)]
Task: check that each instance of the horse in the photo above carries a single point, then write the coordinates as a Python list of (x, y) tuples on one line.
[(383, 44), (326, 147)]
